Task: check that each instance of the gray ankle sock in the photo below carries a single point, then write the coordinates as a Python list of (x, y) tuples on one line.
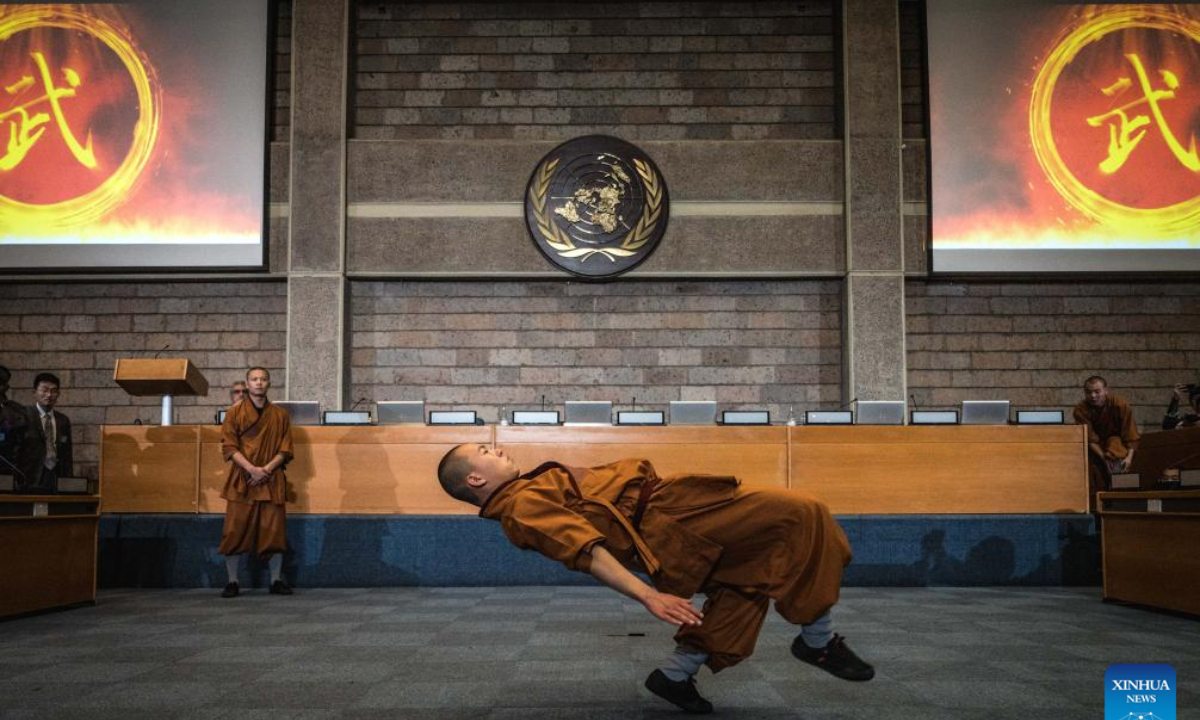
[(276, 565), (818, 633), (683, 664)]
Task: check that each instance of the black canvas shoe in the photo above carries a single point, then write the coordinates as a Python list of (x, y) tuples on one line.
[(680, 693), (230, 591), (279, 587), (836, 658)]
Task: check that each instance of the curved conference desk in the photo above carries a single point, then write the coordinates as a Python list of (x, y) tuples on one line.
[(391, 470)]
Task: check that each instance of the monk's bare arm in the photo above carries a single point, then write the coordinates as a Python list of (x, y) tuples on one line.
[(668, 608)]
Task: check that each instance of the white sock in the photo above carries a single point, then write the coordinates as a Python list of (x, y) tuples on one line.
[(231, 566), (276, 565)]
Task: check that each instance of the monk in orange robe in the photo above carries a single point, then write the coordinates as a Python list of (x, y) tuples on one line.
[(256, 439), (742, 547), (1112, 432)]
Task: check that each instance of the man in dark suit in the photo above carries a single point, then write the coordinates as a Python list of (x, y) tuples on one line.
[(47, 449)]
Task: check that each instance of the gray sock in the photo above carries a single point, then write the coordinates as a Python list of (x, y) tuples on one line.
[(818, 633), (276, 565), (683, 663), (231, 566)]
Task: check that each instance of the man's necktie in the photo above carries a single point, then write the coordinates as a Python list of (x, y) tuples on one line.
[(51, 450)]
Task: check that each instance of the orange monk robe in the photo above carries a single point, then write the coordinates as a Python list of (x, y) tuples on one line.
[(740, 546), (255, 517), (1112, 427)]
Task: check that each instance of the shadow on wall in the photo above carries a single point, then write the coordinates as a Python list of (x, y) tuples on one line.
[(992, 560)]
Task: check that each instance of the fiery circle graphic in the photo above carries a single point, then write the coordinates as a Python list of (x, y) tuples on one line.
[(93, 205), (1169, 221)]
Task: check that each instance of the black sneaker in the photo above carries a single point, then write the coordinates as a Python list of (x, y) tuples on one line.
[(230, 591), (836, 658), (681, 693), (279, 587)]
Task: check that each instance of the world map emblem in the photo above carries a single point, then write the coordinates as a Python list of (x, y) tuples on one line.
[(596, 206)]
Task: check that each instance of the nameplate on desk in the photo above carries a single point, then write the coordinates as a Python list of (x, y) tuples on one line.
[(1039, 417), (1189, 478), (641, 417), (1154, 505), (745, 417), (535, 417), (41, 509), (829, 417), (72, 485), (7, 484), (346, 417), (1126, 481), (934, 417), (452, 417), (221, 416)]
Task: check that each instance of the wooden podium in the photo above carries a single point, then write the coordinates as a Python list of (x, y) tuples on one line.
[(167, 377)]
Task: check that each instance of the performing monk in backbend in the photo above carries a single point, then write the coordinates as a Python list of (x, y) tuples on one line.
[(256, 439), (742, 547), (1112, 432)]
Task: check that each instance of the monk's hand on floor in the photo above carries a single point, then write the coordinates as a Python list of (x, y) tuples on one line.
[(672, 609)]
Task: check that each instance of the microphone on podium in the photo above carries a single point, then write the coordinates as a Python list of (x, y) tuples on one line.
[(161, 351)]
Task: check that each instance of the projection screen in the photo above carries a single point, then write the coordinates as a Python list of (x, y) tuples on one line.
[(1063, 137), (133, 135)]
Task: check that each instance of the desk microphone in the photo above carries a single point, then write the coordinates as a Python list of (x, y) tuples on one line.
[(913, 399), (360, 401), (160, 352)]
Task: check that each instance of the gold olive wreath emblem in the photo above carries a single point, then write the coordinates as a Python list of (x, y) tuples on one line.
[(633, 240)]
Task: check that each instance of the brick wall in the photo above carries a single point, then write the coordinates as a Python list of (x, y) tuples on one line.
[(647, 71), (77, 331), (912, 69), (1035, 343), (280, 79), (486, 345)]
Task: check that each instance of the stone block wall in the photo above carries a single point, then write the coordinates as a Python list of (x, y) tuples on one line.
[(486, 345), (644, 71), (1034, 343), (77, 331), (280, 76)]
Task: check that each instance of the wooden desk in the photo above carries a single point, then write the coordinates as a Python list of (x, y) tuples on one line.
[(1149, 541), (1166, 449), (392, 469), (48, 556)]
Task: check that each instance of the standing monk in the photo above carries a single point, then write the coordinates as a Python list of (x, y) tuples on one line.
[(742, 547), (257, 438), (1112, 432)]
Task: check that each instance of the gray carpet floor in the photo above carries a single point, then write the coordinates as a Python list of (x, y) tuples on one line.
[(578, 653)]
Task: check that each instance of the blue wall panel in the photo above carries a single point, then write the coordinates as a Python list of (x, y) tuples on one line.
[(451, 550)]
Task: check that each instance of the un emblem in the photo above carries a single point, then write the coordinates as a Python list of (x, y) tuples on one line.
[(596, 206)]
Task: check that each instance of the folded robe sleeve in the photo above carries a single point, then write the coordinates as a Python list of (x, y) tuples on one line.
[(543, 523)]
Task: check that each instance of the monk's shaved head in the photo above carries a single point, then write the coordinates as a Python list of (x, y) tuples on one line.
[(452, 474)]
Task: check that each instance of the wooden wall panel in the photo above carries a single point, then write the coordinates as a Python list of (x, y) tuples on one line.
[(756, 455), (392, 470), (149, 469), (903, 470)]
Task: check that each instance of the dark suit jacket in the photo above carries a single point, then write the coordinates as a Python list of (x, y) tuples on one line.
[(33, 454)]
